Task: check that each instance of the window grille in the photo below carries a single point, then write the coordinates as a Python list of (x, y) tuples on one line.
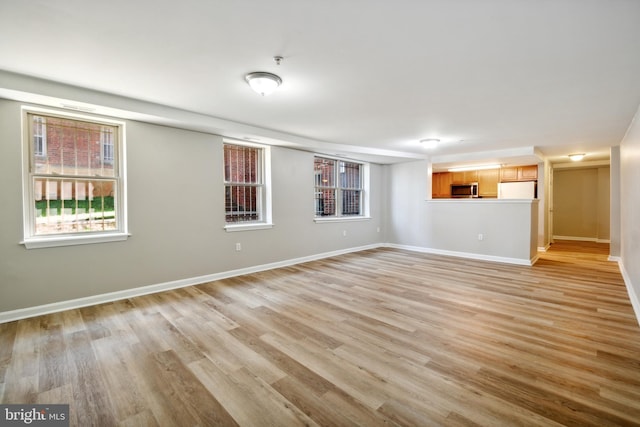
[(338, 188), (244, 183)]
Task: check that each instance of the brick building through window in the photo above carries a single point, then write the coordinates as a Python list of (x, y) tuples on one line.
[(243, 183), (338, 188), (73, 183)]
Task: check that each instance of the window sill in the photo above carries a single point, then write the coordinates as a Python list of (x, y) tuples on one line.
[(342, 219), (247, 227), (55, 241)]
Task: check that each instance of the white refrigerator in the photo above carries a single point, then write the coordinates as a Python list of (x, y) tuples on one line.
[(517, 190)]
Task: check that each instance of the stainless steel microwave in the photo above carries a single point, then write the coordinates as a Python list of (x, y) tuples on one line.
[(464, 190)]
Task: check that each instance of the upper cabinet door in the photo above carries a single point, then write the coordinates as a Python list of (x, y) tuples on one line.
[(488, 182), (509, 174), (465, 177), (520, 173), (528, 173), (457, 177), (470, 176), (441, 184)]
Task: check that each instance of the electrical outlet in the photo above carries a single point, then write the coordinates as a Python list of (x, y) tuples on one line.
[(480, 236), (344, 233), (378, 229), (238, 247)]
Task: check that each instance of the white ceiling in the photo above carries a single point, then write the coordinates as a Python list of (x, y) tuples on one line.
[(489, 78)]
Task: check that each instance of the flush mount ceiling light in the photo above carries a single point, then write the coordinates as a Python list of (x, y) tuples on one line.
[(430, 142), (263, 82), (576, 157)]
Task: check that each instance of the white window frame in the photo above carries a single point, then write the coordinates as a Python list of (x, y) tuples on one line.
[(265, 220), (338, 217), (33, 241)]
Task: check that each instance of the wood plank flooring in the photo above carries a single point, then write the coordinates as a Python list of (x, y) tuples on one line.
[(380, 337)]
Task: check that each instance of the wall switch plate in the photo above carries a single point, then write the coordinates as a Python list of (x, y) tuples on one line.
[(480, 236), (238, 247)]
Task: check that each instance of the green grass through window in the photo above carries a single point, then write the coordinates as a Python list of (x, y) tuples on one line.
[(56, 206)]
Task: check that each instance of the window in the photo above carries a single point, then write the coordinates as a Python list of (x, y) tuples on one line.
[(339, 188), (246, 188), (74, 185)]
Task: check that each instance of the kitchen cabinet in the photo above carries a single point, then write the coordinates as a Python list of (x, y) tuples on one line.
[(488, 182), (519, 173), (528, 173), (441, 184), (465, 177), (487, 179), (509, 174)]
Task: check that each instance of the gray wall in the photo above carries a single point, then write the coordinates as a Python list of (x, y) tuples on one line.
[(408, 221), (630, 209), (614, 213), (182, 239)]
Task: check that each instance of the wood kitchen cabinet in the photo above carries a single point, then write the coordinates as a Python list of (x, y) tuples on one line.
[(519, 173), (465, 177), (441, 185), (488, 182), (528, 173), (487, 179), (509, 174)]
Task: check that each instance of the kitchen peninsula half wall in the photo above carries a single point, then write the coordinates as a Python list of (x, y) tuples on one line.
[(499, 230)]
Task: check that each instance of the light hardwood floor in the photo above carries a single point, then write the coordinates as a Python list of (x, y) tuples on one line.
[(380, 337)]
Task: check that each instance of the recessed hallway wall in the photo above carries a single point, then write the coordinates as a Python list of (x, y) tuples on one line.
[(581, 203)]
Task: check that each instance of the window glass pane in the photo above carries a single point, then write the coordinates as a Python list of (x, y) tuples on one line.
[(350, 175), (72, 147), (74, 205), (241, 203), (106, 141), (241, 164), (351, 202), (325, 202), (324, 172), (39, 136), (243, 183)]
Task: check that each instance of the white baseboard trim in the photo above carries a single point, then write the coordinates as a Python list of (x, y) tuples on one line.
[(469, 255), (615, 259), (582, 239), (544, 248), (23, 313), (633, 296)]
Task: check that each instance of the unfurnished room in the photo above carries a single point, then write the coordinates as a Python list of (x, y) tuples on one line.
[(281, 213)]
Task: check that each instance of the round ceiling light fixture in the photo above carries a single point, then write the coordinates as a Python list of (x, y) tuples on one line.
[(262, 82), (430, 142), (576, 157)]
